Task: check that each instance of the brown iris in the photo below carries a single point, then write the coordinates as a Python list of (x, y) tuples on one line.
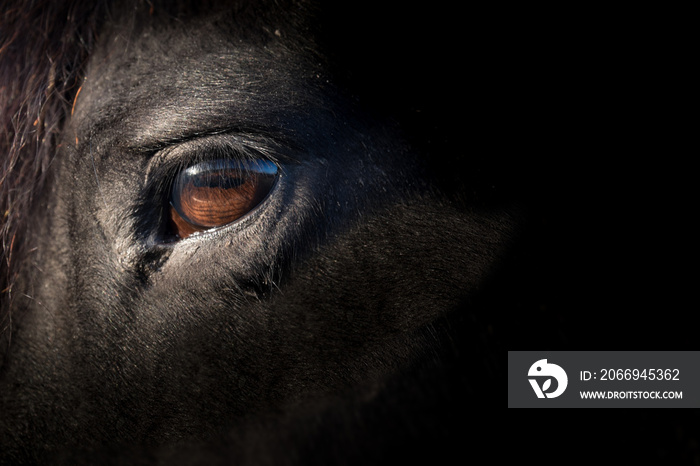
[(213, 194)]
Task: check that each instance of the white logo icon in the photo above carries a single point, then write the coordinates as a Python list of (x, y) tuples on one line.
[(542, 369)]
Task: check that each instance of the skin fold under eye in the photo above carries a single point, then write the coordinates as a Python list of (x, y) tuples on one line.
[(213, 194)]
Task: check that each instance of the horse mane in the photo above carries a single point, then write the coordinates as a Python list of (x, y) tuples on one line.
[(43, 48)]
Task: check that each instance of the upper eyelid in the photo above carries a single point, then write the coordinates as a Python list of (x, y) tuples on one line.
[(190, 152)]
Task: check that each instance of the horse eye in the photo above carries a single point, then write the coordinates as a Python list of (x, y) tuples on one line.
[(213, 194)]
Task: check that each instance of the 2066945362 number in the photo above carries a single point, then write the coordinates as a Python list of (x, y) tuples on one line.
[(637, 374)]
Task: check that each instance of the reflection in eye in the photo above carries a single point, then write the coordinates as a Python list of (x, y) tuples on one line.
[(213, 194)]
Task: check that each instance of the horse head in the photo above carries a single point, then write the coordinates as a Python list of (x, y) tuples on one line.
[(237, 225)]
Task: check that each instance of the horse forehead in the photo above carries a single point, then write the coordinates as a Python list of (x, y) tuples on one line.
[(165, 80)]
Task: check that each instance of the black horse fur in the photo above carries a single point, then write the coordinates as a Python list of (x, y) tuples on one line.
[(334, 324)]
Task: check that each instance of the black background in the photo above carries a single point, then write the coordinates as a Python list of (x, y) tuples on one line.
[(608, 260)]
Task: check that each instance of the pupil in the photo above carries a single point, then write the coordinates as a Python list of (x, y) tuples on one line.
[(218, 180)]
